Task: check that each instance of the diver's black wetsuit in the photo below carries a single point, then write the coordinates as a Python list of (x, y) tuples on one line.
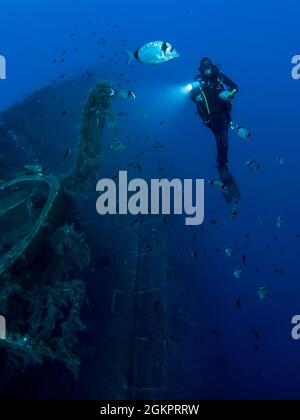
[(216, 115), (215, 112)]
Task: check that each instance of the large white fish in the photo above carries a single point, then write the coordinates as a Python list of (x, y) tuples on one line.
[(155, 52)]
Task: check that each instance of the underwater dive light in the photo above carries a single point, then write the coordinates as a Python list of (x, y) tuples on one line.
[(191, 86)]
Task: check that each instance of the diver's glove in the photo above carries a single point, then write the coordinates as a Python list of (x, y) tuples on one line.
[(227, 96)]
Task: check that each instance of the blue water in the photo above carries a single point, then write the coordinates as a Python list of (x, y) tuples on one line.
[(254, 43)]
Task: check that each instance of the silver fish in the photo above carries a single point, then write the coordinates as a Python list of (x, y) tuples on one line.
[(263, 292), (253, 166), (243, 133), (125, 94), (35, 169), (279, 222), (229, 251), (218, 185), (237, 273), (117, 145), (155, 52), (234, 211), (260, 221), (280, 161)]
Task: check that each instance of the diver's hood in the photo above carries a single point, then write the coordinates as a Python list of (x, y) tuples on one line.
[(215, 69), (205, 60)]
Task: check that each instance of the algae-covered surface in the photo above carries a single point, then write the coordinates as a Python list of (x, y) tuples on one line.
[(41, 249)]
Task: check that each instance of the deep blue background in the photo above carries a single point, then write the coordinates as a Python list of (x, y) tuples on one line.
[(254, 43)]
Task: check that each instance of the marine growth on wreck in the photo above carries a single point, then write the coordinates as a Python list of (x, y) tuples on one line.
[(43, 247), (96, 110)]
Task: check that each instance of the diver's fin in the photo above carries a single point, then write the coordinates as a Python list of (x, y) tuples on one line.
[(234, 190), (231, 191), (131, 57), (227, 196)]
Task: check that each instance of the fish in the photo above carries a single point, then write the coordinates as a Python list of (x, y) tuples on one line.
[(149, 249), (218, 185), (229, 251), (35, 169), (125, 94), (234, 212), (256, 334), (263, 292), (279, 271), (158, 145), (255, 375), (260, 221), (237, 272), (253, 166), (243, 133), (177, 340), (155, 52), (135, 165), (280, 161), (67, 153), (117, 145), (244, 260), (238, 303), (279, 222)]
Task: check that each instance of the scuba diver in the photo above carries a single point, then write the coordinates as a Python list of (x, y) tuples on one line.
[(212, 91)]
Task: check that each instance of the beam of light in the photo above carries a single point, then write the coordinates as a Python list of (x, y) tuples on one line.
[(166, 101), (170, 98), (187, 89)]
